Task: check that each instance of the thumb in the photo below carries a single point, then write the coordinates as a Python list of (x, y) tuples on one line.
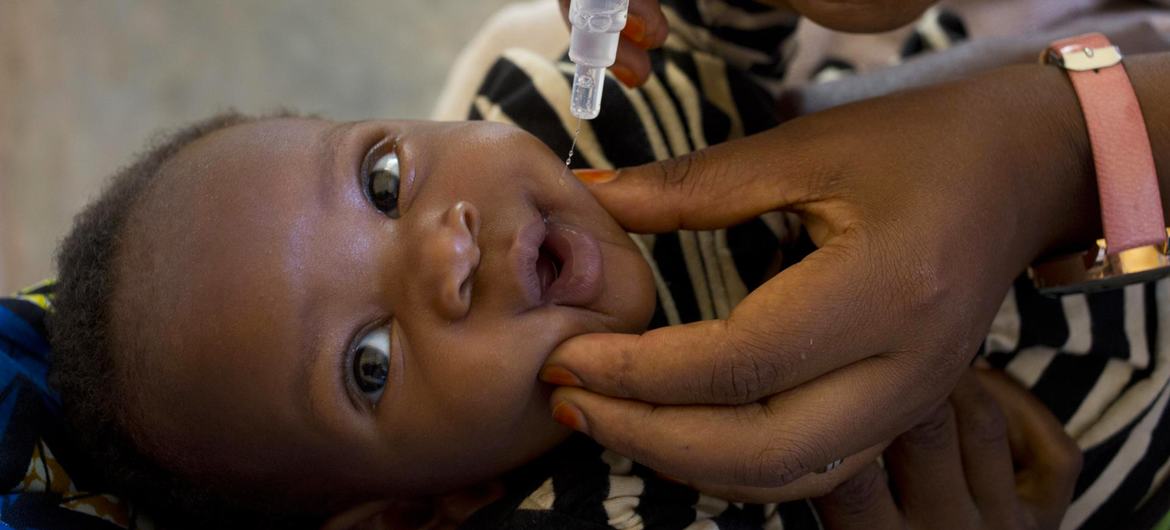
[(714, 187)]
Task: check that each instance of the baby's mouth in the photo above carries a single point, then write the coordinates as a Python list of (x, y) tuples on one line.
[(548, 267), (574, 259), (559, 264)]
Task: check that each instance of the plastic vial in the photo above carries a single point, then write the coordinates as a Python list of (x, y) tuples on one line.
[(593, 44)]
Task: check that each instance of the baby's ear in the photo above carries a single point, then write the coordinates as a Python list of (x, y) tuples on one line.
[(383, 515)]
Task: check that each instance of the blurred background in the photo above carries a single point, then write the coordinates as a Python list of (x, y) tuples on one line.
[(84, 84)]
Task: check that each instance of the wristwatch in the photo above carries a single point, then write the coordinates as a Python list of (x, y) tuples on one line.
[(1134, 248)]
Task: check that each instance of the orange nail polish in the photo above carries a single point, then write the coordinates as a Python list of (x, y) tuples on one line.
[(635, 30), (625, 75), (570, 416), (559, 376), (595, 176)]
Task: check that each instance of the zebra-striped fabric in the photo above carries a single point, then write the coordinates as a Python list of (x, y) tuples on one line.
[(1100, 362), (581, 486)]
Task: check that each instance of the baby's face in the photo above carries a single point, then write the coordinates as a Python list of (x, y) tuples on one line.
[(318, 328)]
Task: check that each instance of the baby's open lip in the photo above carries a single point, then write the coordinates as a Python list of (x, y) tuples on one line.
[(557, 263)]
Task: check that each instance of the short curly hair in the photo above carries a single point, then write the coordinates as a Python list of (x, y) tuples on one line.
[(85, 366)]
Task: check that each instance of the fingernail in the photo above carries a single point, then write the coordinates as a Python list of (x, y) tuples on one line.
[(570, 416), (635, 30), (625, 75), (559, 376), (982, 364), (595, 176)]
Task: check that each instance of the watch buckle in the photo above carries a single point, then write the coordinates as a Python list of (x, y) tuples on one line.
[(1083, 59)]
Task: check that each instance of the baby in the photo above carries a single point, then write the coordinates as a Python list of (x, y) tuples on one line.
[(292, 317), (304, 315)]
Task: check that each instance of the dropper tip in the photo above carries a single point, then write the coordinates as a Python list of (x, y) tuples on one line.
[(588, 82)]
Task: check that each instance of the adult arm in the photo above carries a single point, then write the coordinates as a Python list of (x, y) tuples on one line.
[(925, 206)]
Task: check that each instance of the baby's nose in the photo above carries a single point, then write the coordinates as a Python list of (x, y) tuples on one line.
[(458, 257)]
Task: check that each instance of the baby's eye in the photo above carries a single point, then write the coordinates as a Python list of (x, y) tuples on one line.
[(371, 364), (382, 184)]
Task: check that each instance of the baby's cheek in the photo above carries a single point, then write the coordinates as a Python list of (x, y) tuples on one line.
[(508, 425), (485, 390)]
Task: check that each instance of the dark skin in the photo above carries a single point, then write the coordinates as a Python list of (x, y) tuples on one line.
[(266, 218), (272, 224), (275, 264), (991, 457), (926, 205), (757, 359), (257, 224)]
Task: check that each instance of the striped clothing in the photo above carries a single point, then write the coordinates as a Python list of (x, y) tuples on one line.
[(1100, 362)]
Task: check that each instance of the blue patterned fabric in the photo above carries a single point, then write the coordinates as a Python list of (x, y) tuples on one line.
[(38, 492)]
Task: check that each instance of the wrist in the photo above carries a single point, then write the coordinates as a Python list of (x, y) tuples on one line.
[(1046, 160), (1150, 75), (1064, 201)]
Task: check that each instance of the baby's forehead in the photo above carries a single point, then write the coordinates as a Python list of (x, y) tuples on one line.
[(198, 281), (253, 142), (221, 176), (220, 210)]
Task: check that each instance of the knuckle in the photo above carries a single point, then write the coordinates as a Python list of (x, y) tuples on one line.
[(782, 462), (684, 179), (985, 423), (749, 369), (920, 280), (741, 376), (859, 493), (622, 367), (923, 288), (673, 173), (933, 432)]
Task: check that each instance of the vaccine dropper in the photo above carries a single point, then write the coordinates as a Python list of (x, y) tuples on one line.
[(593, 43)]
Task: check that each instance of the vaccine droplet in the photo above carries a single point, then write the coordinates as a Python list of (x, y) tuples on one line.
[(573, 146)]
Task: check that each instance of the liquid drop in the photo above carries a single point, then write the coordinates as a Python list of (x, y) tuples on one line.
[(573, 147)]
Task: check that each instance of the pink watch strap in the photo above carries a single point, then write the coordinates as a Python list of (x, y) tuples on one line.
[(1131, 204)]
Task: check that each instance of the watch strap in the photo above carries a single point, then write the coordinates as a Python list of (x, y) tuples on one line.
[(1134, 248), (1131, 204)]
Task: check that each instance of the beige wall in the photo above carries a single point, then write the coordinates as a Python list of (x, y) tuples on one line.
[(84, 83)]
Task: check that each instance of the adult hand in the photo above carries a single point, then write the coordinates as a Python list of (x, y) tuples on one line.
[(925, 206), (647, 28), (992, 457)]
